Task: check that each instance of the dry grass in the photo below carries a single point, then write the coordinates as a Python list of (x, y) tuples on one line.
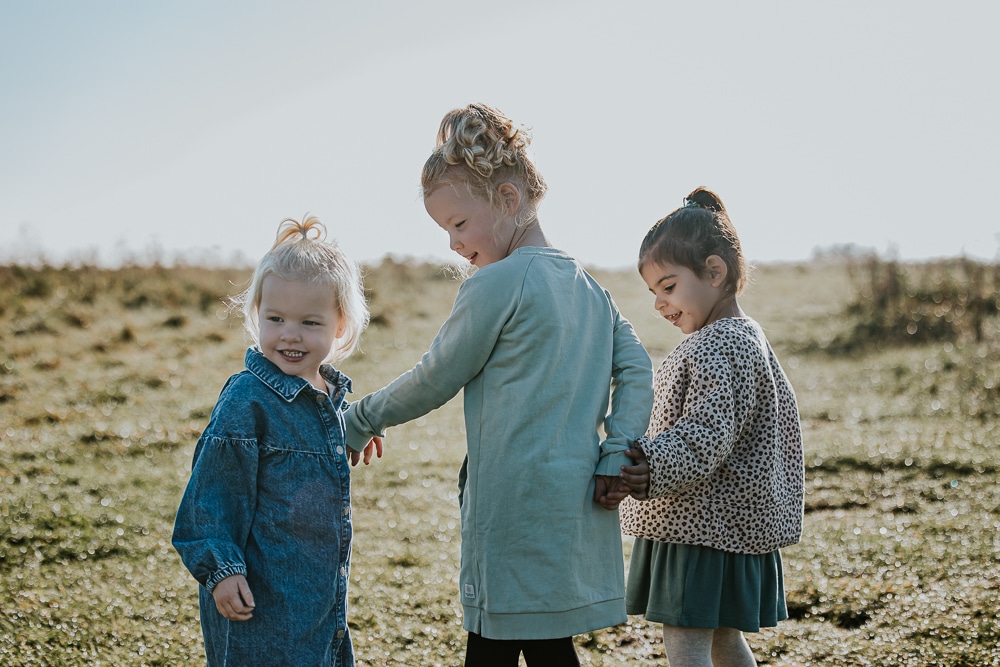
[(107, 377)]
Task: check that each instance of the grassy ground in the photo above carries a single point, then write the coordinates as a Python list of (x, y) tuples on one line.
[(107, 378)]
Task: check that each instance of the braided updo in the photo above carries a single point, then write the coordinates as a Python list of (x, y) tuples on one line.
[(481, 148)]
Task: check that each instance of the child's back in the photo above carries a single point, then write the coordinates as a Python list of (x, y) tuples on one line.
[(549, 332)]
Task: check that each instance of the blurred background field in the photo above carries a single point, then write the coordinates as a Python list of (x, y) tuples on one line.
[(107, 377)]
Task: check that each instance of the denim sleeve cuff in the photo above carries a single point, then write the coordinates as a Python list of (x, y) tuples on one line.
[(227, 571)]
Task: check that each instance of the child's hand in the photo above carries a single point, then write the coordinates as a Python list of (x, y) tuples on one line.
[(233, 598), (609, 491), (631, 481), (374, 446), (636, 477)]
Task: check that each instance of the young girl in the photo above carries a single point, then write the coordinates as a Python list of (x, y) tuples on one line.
[(265, 522), (536, 344), (724, 448)]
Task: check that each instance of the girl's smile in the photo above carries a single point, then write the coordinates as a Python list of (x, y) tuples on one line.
[(299, 324), (686, 300), (471, 223)]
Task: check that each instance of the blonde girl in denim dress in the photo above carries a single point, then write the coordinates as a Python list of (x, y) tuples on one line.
[(265, 522), (725, 452)]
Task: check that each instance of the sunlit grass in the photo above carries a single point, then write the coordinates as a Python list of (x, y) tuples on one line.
[(108, 377)]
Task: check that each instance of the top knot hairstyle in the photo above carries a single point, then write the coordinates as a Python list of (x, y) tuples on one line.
[(302, 253), (481, 148), (691, 234)]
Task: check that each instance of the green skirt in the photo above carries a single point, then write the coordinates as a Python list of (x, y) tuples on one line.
[(699, 587)]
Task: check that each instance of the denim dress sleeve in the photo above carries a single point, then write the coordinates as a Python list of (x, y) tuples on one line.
[(216, 512)]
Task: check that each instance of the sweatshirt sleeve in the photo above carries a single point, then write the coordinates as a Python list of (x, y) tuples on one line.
[(458, 353), (216, 511), (631, 397)]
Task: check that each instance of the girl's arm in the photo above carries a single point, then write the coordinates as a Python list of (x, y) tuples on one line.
[(457, 354), (216, 512), (631, 398), (706, 429)]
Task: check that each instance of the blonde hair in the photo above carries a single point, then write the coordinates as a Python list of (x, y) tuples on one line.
[(302, 253), (481, 148)]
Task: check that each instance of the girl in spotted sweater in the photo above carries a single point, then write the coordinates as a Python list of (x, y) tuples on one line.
[(724, 448)]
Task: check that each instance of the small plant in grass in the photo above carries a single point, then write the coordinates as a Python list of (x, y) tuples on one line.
[(947, 301)]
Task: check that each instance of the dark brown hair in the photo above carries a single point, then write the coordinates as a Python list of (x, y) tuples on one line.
[(691, 234)]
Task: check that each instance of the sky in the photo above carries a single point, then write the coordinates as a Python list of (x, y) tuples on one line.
[(187, 130)]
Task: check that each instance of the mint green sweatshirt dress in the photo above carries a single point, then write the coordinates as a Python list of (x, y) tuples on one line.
[(547, 364)]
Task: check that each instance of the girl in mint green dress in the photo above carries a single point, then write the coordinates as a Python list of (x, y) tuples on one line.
[(556, 388)]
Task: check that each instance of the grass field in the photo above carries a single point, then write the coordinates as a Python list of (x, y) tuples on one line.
[(107, 378)]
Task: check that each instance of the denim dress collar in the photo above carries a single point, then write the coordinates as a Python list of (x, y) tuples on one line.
[(290, 386)]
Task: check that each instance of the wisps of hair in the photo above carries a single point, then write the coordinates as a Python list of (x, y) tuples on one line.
[(481, 148), (302, 253), (691, 234)]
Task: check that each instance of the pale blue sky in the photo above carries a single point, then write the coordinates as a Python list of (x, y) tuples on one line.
[(196, 126)]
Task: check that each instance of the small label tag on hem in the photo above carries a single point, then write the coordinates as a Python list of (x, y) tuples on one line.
[(470, 591)]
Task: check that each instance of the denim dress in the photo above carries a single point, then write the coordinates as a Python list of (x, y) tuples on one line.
[(269, 498)]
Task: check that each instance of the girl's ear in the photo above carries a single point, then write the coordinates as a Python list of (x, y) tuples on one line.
[(509, 197), (717, 270), (341, 327)]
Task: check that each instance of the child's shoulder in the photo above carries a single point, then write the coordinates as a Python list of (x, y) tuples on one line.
[(240, 386), (732, 327), (498, 278), (723, 337)]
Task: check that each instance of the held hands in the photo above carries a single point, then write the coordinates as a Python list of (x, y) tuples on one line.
[(233, 598), (631, 481), (374, 446)]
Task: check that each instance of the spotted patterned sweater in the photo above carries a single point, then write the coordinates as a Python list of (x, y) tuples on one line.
[(724, 446)]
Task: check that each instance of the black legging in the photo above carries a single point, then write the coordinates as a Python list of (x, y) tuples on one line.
[(482, 652)]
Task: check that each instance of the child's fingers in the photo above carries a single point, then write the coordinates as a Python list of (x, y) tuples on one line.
[(233, 598), (245, 594), (609, 492), (600, 488), (631, 475), (370, 449), (636, 454), (236, 613), (636, 479)]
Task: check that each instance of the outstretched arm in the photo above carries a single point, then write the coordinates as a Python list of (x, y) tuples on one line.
[(458, 353)]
